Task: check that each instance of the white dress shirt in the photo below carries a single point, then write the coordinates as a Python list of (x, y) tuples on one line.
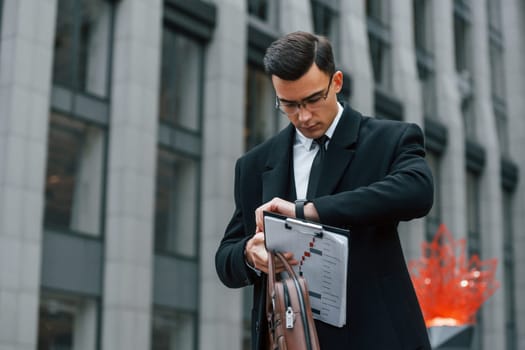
[(304, 151)]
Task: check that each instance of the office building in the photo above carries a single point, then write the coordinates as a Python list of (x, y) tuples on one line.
[(121, 120)]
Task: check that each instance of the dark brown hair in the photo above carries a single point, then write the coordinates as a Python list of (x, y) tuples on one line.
[(291, 56)]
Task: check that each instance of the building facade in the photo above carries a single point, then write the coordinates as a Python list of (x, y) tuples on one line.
[(121, 120)]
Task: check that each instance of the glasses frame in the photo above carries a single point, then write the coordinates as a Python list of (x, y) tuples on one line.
[(304, 102)]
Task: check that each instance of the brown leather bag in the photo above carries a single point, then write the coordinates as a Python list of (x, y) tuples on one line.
[(290, 322)]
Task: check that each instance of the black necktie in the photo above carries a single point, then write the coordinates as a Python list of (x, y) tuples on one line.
[(317, 165)]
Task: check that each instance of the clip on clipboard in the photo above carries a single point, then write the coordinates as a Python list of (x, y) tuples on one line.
[(322, 252)]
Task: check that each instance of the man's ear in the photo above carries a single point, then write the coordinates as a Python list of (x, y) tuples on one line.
[(338, 81)]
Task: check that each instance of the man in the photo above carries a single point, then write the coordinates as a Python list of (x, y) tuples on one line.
[(373, 175)]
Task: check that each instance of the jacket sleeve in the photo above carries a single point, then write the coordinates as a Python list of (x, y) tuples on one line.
[(405, 192), (230, 262)]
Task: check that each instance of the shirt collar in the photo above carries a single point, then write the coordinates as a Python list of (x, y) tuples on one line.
[(307, 142)]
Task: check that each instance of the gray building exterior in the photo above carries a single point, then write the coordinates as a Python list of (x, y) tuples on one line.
[(121, 120)]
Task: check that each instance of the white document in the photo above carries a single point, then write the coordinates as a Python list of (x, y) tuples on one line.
[(322, 252)]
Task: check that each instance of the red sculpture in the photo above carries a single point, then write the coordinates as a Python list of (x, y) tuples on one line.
[(449, 286)]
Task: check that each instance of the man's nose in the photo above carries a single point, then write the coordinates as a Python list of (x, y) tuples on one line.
[(304, 113)]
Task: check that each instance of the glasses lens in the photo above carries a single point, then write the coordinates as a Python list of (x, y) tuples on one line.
[(314, 102), (288, 108)]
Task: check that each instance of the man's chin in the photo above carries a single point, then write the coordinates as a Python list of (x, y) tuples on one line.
[(312, 133)]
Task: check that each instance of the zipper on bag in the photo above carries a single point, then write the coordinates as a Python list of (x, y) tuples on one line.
[(290, 317)]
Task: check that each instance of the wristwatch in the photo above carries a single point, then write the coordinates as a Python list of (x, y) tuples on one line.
[(299, 208)]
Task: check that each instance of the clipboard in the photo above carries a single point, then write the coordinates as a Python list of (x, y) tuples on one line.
[(322, 252)]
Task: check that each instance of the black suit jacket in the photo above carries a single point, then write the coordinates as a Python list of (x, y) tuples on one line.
[(374, 176)]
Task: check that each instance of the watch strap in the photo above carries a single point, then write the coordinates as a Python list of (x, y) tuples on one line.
[(299, 208)]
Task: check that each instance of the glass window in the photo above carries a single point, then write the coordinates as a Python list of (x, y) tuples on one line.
[(473, 214), (509, 271), (176, 204), (378, 17), (378, 10), (264, 10), (423, 28), (173, 330), (497, 73), (461, 42), (462, 50), (261, 118), (502, 128), (74, 175), (497, 70), (427, 81), (433, 219), (381, 63), (469, 120), (424, 53), (1, 10), (258, 8), (494, 14), (474, 241), (326, 20), (181, 81), (67, 323), (81, 52)]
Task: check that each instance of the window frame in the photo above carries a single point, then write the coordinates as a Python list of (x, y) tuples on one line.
[(159, 311), (74, 84), (87, 108), (474, 237), (1, 12), (104, 159), (379, 38), (494, 15), (251, 108), (424, 47), (462, 31), (434, 217), (321, 9), (180, 141), (196, 21), (177, 128), (496, 54), (509, 271), (77, 300), (197, 191), (271, 18)]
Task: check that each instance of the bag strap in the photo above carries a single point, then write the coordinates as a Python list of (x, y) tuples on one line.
[(270, 295), (300, 294)]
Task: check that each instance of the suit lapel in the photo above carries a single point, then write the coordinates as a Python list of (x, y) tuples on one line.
[(276, 179), (340, 151)]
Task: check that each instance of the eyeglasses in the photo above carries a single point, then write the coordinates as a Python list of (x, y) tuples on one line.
[(310, 103)]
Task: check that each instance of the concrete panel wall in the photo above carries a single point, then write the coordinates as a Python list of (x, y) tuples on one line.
[(126, 321), (26, 48)]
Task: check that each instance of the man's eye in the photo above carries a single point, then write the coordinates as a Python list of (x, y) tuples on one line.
[(314, 99)]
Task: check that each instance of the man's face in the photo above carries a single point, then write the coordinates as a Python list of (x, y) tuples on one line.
[(310, 102)]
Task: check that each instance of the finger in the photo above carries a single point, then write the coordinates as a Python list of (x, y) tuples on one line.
[(271, 206), (290, 258), (259, 222), (262, 257), (288, 255), (259, 216)]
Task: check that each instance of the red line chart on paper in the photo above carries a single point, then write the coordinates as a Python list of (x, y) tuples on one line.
[(322, 261)]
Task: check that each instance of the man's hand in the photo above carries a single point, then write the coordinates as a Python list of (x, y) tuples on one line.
[(280, 206), (276, 205), (257, 255)]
